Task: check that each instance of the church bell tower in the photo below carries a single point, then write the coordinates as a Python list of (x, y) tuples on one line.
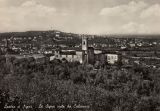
[(84, 43), (85, 49)]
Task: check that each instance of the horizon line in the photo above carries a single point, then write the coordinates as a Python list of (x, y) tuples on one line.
[(111, 34)]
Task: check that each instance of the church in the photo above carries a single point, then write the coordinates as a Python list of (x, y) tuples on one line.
[(87, 55)]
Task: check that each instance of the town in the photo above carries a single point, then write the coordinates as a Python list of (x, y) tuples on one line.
[(44, 45), (65, 70)]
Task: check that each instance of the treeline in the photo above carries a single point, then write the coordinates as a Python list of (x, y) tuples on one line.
[(111, 88)]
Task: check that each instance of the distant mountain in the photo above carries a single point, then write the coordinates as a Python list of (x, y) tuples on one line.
[(66, 34)]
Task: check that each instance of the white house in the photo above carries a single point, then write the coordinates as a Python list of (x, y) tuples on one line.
[(112, 58)]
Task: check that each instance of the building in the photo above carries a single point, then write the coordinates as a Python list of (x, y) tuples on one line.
[(112, 58), (85, 49), (87, 55), (69, 55), (90, 55)]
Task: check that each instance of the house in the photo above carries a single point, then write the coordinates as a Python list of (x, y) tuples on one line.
[(112, 58), (70, 56)]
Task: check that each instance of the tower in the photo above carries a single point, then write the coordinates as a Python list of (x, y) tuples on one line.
[(84, 43), (6, 46), (85, 49), (6, 51), (57, 52)]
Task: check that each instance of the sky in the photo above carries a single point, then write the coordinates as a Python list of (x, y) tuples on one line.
[(81, 16)]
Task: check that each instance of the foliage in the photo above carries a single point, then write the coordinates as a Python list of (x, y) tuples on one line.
[(56, 82)]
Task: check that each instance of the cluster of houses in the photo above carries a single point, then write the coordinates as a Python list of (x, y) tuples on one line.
[(86, 55), (90, 55)]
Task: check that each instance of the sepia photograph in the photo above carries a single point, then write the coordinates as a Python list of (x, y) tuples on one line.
[(79, 55)]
